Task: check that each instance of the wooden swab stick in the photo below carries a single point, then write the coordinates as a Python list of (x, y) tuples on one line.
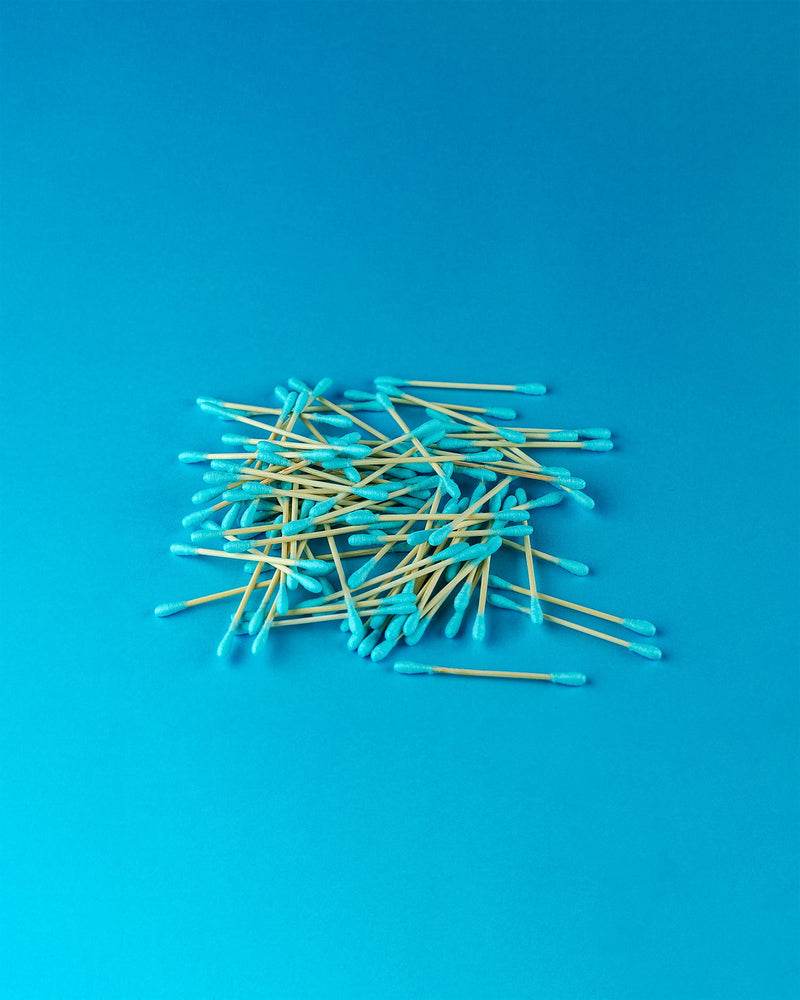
[(410, 667)]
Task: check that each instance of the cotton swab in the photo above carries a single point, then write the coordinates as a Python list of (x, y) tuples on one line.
[(527, 388), (410, 667)]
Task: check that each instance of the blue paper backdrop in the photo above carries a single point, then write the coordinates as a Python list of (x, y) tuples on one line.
[(207, 198)]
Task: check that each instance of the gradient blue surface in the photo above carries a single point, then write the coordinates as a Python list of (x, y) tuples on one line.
[(208, 198)]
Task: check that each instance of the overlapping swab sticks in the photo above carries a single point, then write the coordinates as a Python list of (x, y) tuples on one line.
[(334, 520)]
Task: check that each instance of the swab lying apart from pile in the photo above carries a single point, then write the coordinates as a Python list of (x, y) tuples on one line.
[(423, 510)]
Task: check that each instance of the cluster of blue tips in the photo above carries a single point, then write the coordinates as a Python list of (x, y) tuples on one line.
[(384, 523)]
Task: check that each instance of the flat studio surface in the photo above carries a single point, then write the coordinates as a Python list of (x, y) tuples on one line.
[(205, 199)]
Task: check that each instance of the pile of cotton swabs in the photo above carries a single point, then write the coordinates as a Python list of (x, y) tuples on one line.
[(335, 520)]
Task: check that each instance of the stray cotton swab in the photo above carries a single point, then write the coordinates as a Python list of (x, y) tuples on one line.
[(410, 667)]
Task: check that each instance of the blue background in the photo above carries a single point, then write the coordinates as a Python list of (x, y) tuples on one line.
[(208, 198)]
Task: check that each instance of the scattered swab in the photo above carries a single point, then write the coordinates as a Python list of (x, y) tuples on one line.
[(410, 667)]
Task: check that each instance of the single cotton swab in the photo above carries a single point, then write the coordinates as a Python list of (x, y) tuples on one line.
[(410, 667)]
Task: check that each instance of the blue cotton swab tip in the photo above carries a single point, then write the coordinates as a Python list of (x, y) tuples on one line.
[(390, 380), (298, 385), (410, 667), (562, 436), (582, 499), (179, 549), (601, 444), (238, 545), (531, 388), (509, 434), (479, 628), (536, 614), (645, 649), (169, 609), (594, 432), (503, 602), (575, 680), (571, 482), (322, 387), (573, 566), (224, 648), (547, 500), (296, 527), (501, 413), (498, 581), (639, 625), (202, 400), (190, 457), (371, 492)]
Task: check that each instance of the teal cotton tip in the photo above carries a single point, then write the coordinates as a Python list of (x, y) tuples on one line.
[(322, 507), (382, 650), (359, 517), (296, 527), (317, 454), (536, 614), (239, 545), (216, 410), (171, 608), (411, 622), (582, 499), (554, 470), (453, 626), (359, 576), (302, 401), (573, 566), (189, 457), (645, 649), (498, 581), (547, 500), (298, 385), (439, 535), (369, 642), (363, 541), (415, 637), (531, 388), (208, 401), (378, 493), (224, 648), (594, 432), (509, 434), (383, 400), (257, 489), (409, 667), (315, 567), (197, 517), (179, 549), (462, 598), (390, 380), (394, 629), (501, 413), (419, 537), (235, 439), (260, 641), (351, 474), (639, 625), (231, 515), (574, 680), (309, 583), (212, 493), (571, 482), (602, 444), (483, 475), (330, 419), (562, 436), (486, 456), (460, 550), (479, 628), (321, 387), (503, 602)]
